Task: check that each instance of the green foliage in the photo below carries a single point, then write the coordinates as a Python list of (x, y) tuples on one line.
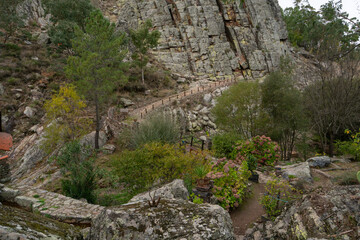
[(283, 104), (143, 39), (10, 21), (157, 128), (347, 178), (358, 176), (66, 14), (278, 192), (224, 143), (64, 113), (230, 182), (195, 199), (98, 64), (153, 162), (252, 162), (319, 31), (261, 148), (352, 146), (238, 110), (79, 171), (201, 171)]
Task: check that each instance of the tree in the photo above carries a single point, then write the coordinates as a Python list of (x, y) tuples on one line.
[(10, 21), (143, 39), (332, 91), (77, 166), (64, 113), (66, 14), (283, 103), (97, 66), (239, 110)]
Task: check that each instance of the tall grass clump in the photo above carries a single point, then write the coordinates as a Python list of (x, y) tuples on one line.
[(159, 127)]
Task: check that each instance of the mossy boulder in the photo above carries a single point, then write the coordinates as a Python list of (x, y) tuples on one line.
[(171, 219)]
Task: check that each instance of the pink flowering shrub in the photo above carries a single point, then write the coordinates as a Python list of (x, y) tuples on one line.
[(230, 182), (261, 147)]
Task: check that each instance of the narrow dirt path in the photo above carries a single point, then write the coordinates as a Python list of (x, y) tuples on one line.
[(250, 211)]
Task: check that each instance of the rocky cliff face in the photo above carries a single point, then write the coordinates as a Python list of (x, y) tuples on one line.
[(208, 38)]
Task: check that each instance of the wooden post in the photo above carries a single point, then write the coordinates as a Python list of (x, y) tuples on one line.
[(202, 145), (153, 107), (145, 110), (162, 101), (0, 123), (141, 115)]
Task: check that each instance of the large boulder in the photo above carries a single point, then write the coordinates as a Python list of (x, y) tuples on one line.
[(171, 219), (19, 224), (300, 170), (174, 190), (320, 215), (89, 139), (321, 162)]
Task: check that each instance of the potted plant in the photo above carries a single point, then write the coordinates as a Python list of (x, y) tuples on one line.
[(202, 181)]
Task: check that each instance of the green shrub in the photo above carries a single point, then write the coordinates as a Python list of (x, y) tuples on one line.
[(261, 147), (78, 170), (278, 193), (358, 176), (347, 178), (352, 146), (223, 144), (230, 182), (157, 128), (154, 162)]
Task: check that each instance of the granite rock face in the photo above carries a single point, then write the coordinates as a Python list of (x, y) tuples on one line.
[(319, 215), (16, 224), (211, 39), (321, 162), (174, 190), (172, 219)]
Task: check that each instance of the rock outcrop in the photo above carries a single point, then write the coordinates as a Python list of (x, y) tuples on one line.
[(172, 219), (19, 224), (174, 190), (331, 214), (323, 161), (210, 38)]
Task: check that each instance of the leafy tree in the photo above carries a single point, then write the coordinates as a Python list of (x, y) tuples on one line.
[(64, 112), (77, 166), (238, 110), (98, 64), (283, 103), (143, 39), (331, 94), (10, 21), (66, 14)]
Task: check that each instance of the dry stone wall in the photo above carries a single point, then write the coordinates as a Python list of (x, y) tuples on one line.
[(211, 39)]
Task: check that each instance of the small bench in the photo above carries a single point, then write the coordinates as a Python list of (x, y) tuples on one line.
[(6, 142)]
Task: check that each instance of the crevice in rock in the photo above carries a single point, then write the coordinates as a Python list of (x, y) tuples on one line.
[(228, 35)]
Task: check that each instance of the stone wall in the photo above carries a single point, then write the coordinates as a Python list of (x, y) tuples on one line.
[(211, 39)]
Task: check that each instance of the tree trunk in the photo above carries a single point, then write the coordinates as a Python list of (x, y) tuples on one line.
[(142, 76), (331, 144), (97, 123)]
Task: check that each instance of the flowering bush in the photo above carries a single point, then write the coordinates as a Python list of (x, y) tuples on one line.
[(230, 182), (261, 147), (351, 146)]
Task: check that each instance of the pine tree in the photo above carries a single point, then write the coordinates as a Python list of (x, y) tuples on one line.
[(143, 39), (98, 63)]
